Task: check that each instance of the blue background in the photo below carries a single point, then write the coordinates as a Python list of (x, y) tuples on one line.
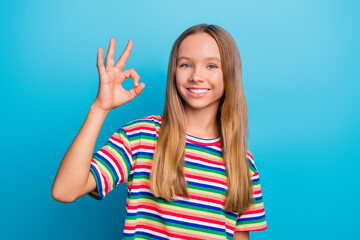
[(301, 78)]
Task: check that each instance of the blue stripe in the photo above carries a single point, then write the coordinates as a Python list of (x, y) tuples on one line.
[(208, 148), (176, 221), (230, 235), (117, 177), (258, 198), (205, 186), (141, 133), (124, 153), (143, 233), (136, 155), (204, 166), (97, 175), (250, 219), (250, 162), (255, 180), (135, 194), (141, 173)]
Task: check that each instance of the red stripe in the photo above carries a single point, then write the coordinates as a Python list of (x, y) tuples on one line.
[(167, 233), (257, 191), (190, 155), (249, 154), (120, 140), (99, 180), (174, 214), (115, 161), (213, 144), (261, 210), (191, 176), (140, 126), (138, 146), (207, 199)]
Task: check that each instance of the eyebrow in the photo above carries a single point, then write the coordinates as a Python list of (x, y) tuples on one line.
[(208, 58)]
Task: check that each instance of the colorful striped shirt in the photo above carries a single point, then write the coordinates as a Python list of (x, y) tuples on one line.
[(127, 157)]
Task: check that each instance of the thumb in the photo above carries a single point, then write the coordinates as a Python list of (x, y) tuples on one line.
[(135, 91), (139, 88)]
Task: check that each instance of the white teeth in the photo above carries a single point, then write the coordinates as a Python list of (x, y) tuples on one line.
[(198, 90)]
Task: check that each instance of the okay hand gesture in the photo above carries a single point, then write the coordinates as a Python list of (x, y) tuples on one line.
[(110, 93)]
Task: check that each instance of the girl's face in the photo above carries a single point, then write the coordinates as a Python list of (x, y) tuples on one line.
[(199, 78)]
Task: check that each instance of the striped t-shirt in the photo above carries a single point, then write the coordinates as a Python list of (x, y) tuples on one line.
[(127, 157)]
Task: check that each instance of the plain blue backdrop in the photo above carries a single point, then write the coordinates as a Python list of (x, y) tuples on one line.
[(301, 78)]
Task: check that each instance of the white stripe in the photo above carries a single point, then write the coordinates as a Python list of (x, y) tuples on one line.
[(142, 170), (206, 183), (102, 182), (186, 220), (199, 202), (150, 232), (139, 190), (252, 215), (202, 140), (251, 160), (130, 133), (230, 231), (112, 164), (255, 177), (123, 148), (204, 163), (144, 150), (257, 195)]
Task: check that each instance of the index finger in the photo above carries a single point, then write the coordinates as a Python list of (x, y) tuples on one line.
[(124, 56)]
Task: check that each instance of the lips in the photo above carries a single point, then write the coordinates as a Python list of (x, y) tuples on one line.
[(197, 92)]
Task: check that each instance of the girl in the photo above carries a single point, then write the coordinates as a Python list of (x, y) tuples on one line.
[(188, 172)]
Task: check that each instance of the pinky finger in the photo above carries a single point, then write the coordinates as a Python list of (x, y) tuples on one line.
[(100, 61)]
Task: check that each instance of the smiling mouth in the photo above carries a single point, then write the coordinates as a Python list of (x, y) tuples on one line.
[(196, 90)]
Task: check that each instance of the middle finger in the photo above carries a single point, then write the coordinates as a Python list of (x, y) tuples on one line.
[(124, 56), (109, 61)]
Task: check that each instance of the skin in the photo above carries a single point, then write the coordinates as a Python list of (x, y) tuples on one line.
[(199, 66), (73, 178)]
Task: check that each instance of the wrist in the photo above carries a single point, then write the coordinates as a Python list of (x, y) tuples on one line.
[(98, 110)]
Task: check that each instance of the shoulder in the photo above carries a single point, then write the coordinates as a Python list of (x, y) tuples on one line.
[(251, 162), (146, 124)]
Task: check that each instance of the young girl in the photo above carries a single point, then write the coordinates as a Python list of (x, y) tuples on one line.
[(188, 172)]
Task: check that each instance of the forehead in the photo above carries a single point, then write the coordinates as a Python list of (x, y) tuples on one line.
[(199, 46)]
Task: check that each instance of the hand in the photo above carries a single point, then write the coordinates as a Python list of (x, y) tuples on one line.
[(111, 94)]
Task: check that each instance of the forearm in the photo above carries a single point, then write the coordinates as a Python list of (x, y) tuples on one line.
[(241, 235), (74, 169)]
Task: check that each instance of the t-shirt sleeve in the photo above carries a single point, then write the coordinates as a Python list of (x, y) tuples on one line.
[(254, 218), (111, 165)]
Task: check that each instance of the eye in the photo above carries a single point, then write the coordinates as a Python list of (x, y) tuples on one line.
[(185, 65), (212, 66)]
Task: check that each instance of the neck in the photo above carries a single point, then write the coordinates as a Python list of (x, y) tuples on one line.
[(202, 123)]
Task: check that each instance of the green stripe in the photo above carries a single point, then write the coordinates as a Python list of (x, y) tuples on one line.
[(176, 204), (203, 150), (123, 157), (181, 226), (207, 190), (107, 167), (241, 222), (205, 169)]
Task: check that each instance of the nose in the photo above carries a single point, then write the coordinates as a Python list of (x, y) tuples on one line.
[(196, 75)]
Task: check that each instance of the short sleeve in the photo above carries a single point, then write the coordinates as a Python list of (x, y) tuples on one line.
[(254, 218), (111, 165)]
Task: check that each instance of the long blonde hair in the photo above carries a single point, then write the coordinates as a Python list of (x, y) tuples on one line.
[(167, 176)]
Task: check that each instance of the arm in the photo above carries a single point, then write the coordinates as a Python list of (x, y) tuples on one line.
[(241, 235), (74, 178)]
